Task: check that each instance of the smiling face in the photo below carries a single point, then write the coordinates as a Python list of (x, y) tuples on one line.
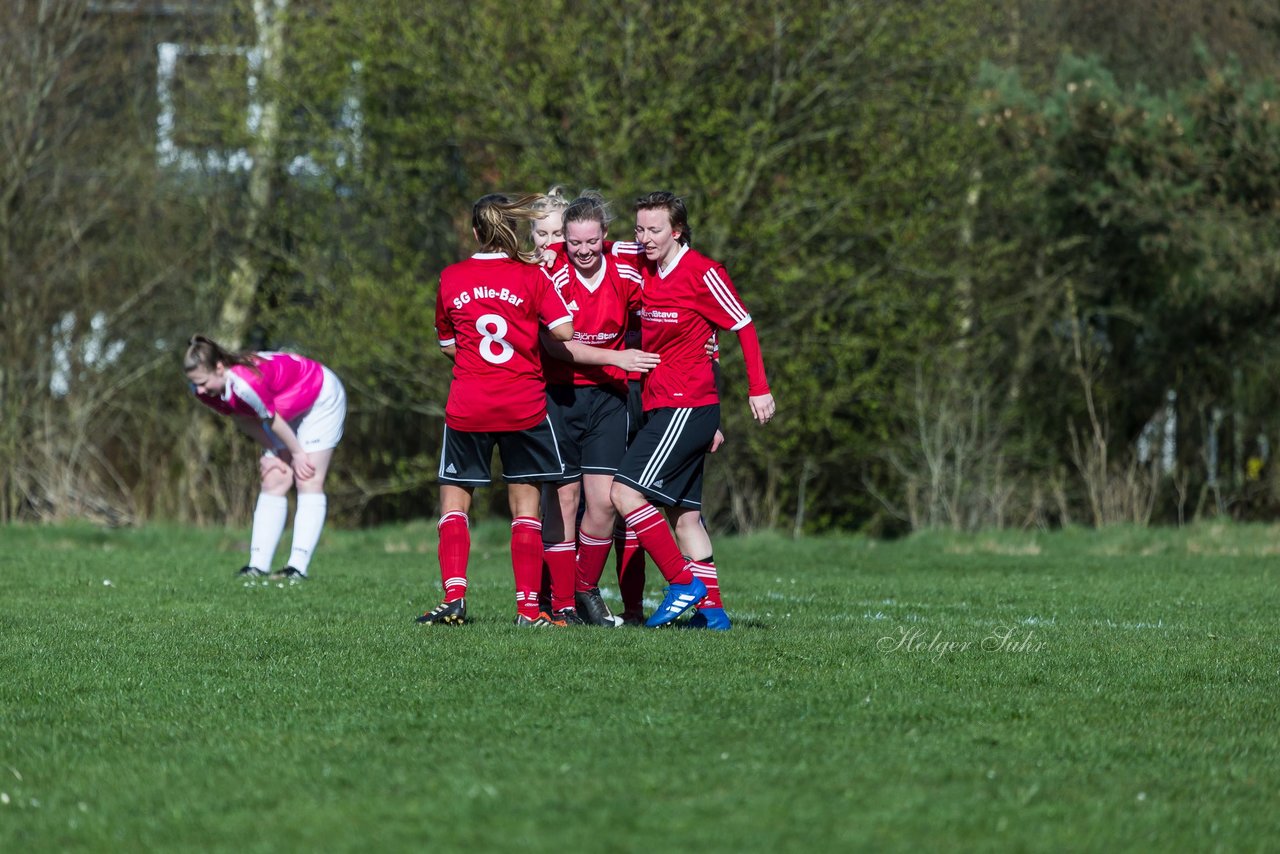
[(655, 235), (585, 242), (207, 382), (548, 230)]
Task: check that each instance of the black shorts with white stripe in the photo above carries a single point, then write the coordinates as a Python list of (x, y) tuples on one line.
[(528, 456), (635, 409), (665, 460), (592, 423)]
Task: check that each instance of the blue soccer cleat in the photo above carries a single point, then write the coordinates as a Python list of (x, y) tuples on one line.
[(714, 619), (679, 598)]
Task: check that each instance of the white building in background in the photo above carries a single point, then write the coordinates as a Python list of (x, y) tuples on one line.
[(177, 63)]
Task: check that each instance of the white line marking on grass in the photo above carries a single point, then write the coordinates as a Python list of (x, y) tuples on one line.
[(1112, 624), (881, 615), (869, 603), (790, 597)]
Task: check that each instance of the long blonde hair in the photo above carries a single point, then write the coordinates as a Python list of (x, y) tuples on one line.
[(496, 219)]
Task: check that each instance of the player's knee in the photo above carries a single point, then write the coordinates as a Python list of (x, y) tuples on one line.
[(624, 498), (689, 521), (598, 518), (277, 483)]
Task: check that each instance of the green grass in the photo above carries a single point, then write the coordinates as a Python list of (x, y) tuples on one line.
[(177, 708)]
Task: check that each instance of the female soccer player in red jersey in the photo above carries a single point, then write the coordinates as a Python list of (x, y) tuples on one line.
[(295, 408), (489, 309), (589, 399), (687, 296)]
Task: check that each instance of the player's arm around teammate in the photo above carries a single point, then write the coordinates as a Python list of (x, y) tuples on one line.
[(588, 398)]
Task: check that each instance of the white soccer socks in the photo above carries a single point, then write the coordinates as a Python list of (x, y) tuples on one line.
[(269, 517), (308, 522)]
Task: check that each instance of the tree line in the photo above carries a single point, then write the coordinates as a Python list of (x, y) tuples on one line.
[(1008, 269)]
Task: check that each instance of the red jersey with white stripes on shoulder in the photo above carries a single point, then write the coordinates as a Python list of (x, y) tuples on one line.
[(283, 383), (604, 307), (490, 307), (682, 306)]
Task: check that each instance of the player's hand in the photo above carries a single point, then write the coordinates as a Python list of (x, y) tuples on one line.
[(716, 441), (762, 407), (546, 257), (637, 361), (712, 347), (302, 467), (269, 464)]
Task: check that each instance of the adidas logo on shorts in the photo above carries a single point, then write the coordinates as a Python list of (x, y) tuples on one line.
[(449, 469)]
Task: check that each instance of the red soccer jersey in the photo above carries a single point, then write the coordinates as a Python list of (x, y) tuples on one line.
[(683, 305), (602, 312), (490, 307)]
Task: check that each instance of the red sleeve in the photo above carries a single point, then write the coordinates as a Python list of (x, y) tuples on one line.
[(444, 324), (552, 310), (560, 269), (718, 300), (622, 248), (635, 297), (757, 382)]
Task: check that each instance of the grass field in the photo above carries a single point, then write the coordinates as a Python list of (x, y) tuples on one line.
[(1112, 690)]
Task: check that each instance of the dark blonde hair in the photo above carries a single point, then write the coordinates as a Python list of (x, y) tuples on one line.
[(206, 353), (676, 212), (589, 207), (496, 219)]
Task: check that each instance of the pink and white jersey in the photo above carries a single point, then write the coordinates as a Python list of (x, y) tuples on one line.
[(490, 307), (283, 383), (683, 305), (603, 307)]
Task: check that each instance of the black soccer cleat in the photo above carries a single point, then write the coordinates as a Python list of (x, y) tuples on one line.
[(593, 609), (290, 574), (446, 614), (251, 572)]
